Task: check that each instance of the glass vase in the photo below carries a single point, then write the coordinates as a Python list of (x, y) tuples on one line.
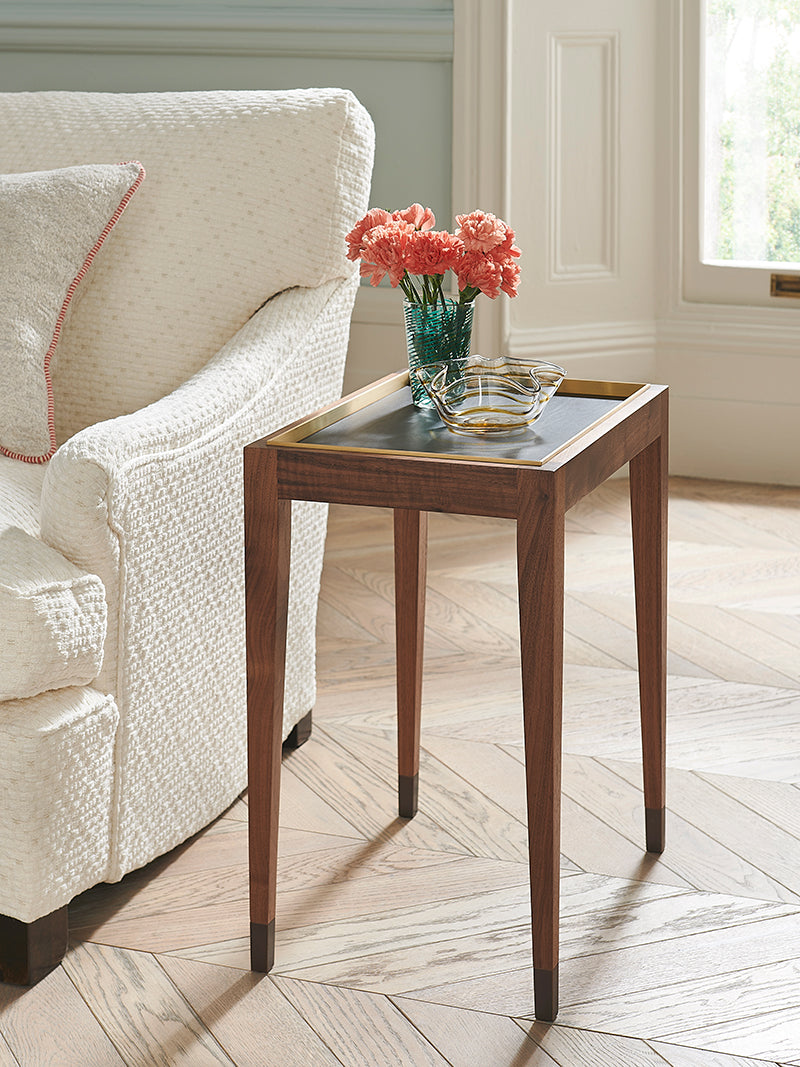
[(436, 333)]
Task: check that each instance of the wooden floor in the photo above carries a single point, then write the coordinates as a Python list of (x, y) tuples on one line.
[(408, 943)]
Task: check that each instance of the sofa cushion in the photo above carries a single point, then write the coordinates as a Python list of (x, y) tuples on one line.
[(247, 194), (21, 494), (52, 225), (52, 618)]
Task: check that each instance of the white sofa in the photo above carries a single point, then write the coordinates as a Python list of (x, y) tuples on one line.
[(217, 310)]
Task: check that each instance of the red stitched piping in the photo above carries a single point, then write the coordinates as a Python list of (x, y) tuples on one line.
[(61, 315)]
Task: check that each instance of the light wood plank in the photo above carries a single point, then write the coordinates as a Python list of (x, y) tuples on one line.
[(684, 1056), (335, 901), (232, 952), (585, 1048), (50, 1024), (332, 947), (759, 852), (498, 992), (7, 1057), (398, 969), (692, 853), (586, 840), (778, 802), (140, 1009), (364, 799), (248, 1015), (175, 913), (348, 1020), (467, 1038), (737, 995), (742, 650), (482, 934), (701, 955), (770, 1036), (604, 833), (303, 809), (449, 799)]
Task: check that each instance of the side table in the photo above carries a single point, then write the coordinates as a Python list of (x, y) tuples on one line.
[(374, 448)]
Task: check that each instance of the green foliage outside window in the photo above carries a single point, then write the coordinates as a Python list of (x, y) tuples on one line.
[(753, 117)]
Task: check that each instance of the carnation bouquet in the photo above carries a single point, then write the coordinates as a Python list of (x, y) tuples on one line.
[(404, 246)]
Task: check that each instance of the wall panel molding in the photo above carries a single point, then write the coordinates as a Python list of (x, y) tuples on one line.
[(481, 45), (583, 127), (244, 28), (728, 329), (591, 339)]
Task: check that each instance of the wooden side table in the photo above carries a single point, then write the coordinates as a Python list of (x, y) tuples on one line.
[(374, 448)]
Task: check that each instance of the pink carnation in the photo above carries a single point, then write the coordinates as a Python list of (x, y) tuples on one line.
[(376, 216), (383, 251), (481, 231), (510, 281), (478, 271), (421, 218), (433, 252)]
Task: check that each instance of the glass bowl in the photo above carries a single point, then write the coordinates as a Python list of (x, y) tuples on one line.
[(490, 396)]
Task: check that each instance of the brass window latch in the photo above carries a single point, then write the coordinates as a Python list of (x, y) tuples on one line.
[(785, 285)]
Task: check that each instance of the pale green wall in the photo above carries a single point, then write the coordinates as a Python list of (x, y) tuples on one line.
[(410, 99)]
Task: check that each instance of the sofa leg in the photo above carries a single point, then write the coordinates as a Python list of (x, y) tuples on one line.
[(300, 733), (29, 951)]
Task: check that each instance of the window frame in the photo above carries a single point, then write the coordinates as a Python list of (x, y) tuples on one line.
[(715, 281)]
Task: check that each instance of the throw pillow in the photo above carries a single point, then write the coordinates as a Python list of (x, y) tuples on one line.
[(52, 224)]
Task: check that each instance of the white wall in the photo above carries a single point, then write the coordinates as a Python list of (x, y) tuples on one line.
[(581, 184)]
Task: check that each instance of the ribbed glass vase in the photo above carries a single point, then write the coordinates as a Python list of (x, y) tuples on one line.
[(435, 333)]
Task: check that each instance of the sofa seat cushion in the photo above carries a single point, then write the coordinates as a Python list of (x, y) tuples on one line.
[(52, 615)]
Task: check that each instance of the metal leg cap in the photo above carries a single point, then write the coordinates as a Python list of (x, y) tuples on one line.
[(545, 994), (262, 946), (655, 825), (407, 793)]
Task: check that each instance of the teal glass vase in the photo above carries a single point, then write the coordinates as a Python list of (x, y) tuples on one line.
[(436, 333)]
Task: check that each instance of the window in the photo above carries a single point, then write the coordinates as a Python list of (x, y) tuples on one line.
[(743, 213)]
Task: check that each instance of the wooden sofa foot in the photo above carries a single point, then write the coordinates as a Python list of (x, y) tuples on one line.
[(300, 733), (29, 951)]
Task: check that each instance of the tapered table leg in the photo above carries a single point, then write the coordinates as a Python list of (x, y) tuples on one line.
[(648, 481), (410, 565), (540, 573), (267, 548)]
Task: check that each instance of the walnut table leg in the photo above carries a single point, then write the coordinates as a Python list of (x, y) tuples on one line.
[(410, 563), (540, 573), (267, 546), (648, 480)]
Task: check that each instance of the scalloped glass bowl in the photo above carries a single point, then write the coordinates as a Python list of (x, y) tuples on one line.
[(490, 396)]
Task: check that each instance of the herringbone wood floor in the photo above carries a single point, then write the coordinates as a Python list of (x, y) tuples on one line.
[(408, 943)]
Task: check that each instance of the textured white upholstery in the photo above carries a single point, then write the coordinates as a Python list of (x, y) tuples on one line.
[(56, 778), (116, 498), (20, 494), (52, 615), (223, 303), (53, 224), (52, 618)]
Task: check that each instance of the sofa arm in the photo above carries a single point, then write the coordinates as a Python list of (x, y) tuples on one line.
[(153, 502)]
